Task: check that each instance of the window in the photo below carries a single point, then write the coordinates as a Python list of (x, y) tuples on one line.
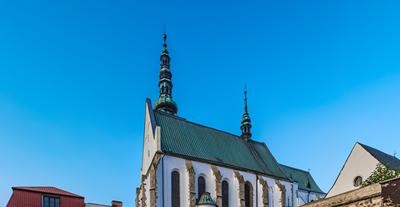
[(175, 192), (248, 194), (201, 187), (357, 181), (225, 194), (51, 201)]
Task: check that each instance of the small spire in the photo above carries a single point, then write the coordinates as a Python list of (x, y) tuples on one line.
[(165, 102), (246, 121)]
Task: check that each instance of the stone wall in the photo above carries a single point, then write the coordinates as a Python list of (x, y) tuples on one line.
[(385, 194)]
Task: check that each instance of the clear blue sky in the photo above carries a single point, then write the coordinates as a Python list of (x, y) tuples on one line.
[(74, 76)]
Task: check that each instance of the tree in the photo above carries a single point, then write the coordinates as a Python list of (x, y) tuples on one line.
[(381, 173)]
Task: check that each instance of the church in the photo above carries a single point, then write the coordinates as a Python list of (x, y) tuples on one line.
[(186, 164)]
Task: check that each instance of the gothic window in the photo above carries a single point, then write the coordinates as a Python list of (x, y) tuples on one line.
[(201, 185), (175, 192), (225, 194), (248, 194), (357, 181)]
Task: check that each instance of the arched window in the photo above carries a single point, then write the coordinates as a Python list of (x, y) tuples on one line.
[(201, 185), (175, 191), (248, 194), (225, 194)]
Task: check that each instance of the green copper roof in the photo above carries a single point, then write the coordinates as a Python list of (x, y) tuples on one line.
[(205, 199), (303, 178), (187, 139)]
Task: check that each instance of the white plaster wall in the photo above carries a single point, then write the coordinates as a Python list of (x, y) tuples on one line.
[(147, 186), (204, 169), (306, 197), (359, 163), (175, 164), (302, 197), (159, 182), (228, 175), (150, 141)]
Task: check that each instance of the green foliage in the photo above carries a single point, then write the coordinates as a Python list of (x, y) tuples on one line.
[(381, 173)]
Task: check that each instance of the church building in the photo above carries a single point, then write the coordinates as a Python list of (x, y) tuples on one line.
[(186, 164)]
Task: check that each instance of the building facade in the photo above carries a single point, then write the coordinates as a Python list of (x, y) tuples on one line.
[(182, 160), (359, 165), (44, 197)]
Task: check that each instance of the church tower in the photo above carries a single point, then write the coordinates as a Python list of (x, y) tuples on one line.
[(165, 102)]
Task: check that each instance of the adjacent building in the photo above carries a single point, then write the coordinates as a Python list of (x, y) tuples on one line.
[(183, 160), (44, 197), (48, 196), (359, 165)]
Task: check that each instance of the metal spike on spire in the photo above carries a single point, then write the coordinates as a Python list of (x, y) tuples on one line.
[(245, 98)]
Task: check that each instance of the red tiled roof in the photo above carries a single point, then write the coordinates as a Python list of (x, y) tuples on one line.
[(47, 189)]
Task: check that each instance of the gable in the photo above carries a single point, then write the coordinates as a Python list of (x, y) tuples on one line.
[(150, 138), (182, 138), (359, 163)]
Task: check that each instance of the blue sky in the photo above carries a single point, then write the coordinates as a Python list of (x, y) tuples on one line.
[(74, 76)]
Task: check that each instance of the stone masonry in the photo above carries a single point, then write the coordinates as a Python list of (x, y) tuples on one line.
[(384, 194)]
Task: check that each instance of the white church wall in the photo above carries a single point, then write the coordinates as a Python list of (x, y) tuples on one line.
[(228, 175), (306, 197), (359, 163), (175, 164), (160, 182), (147, 192), (204, 169), (252, 178), (302, 198)]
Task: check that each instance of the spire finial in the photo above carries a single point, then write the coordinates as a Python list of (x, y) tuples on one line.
[(165, 102), (246, 121), (245, 98)]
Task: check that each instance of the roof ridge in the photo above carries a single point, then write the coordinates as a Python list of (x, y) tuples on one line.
[(294, 168), (46, 189), (373, 148), (197, 124)]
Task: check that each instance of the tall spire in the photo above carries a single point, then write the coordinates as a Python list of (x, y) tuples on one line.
[(246, 121), (165, 102)]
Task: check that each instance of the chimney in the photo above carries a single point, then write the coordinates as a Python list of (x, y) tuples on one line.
[(116, 203)]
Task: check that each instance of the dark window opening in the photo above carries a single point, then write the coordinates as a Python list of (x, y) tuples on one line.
[(201, 188), (175, 191), (248, 194), (225, 194)]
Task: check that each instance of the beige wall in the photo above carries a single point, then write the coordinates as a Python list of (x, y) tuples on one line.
[(359, 163)]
